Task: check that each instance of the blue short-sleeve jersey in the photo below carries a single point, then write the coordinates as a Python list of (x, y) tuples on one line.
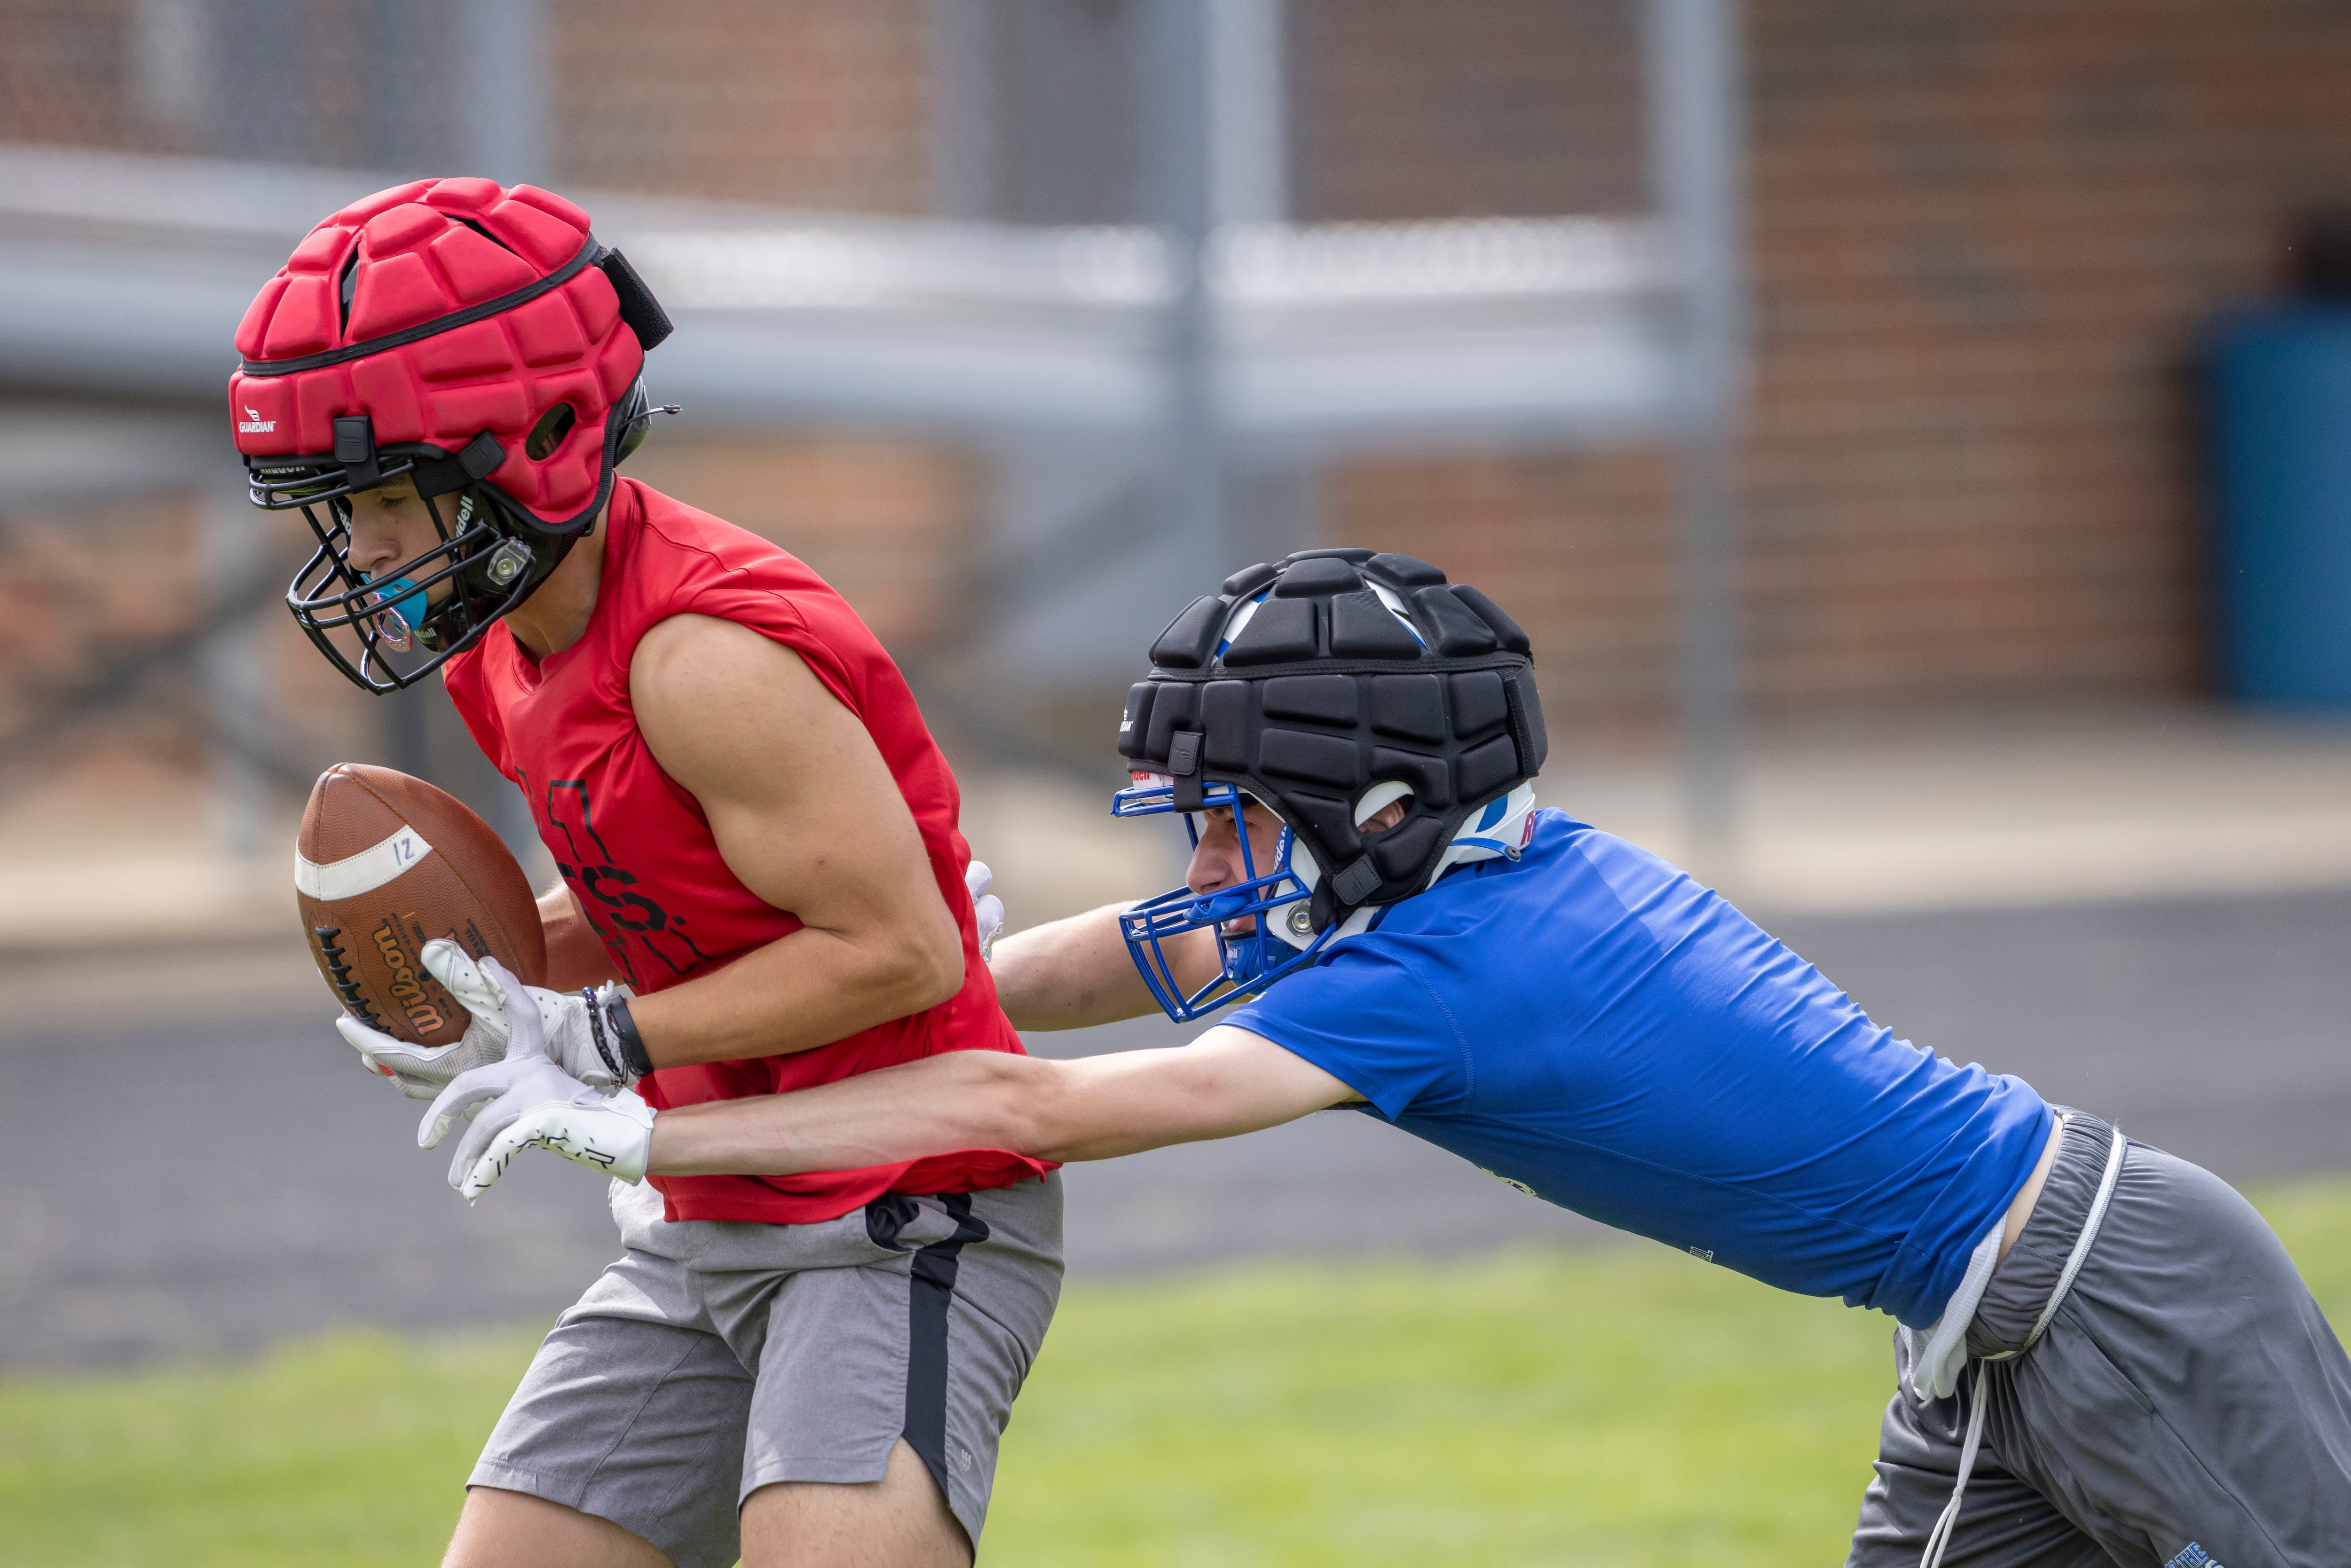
[(1591, 1024)]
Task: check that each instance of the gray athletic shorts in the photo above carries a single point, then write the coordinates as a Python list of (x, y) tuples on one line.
[(2188, 1406), (719, 1356)]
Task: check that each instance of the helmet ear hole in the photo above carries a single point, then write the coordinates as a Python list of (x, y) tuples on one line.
[(549, 432), (1379, 798)]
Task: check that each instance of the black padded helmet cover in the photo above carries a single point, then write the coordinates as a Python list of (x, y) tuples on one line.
[(1309, 681)]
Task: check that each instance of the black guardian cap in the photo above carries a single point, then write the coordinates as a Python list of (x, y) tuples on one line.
[(1310, 681)]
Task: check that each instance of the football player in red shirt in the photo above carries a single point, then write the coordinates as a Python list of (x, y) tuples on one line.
[(763, 890)]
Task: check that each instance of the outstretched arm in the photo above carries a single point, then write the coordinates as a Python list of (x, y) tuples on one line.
[(1228, 1081), (1075, 973)]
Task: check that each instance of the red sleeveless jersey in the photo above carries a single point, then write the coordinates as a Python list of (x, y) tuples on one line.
[(637, 853)]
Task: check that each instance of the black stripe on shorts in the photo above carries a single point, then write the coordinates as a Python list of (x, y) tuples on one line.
[(926, 1336)]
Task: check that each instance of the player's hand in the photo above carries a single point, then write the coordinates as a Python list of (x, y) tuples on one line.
[(985, 907), (528, 1101), (423, 1071)]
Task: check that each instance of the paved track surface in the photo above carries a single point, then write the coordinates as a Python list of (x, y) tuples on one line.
[(217, 1185)]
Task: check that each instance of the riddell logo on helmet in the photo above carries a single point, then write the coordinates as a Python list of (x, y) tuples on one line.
[(253, 424)]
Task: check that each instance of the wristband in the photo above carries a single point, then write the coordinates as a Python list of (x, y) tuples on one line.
[(627, 1043), (596, 1033)]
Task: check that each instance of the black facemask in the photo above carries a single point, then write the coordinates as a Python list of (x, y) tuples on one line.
[(389, 630)]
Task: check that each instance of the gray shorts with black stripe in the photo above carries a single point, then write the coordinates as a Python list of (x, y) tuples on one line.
[(718, 1356), (2190, 1405)]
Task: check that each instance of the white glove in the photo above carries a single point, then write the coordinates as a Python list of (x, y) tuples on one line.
[(529, 1100), (422, 1072), (985, 906)]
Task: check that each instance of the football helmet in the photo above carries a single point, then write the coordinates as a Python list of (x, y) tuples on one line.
[(475, 338), (1326, 688)]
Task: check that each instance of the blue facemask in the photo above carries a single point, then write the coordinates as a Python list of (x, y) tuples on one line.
[(1251, 959)]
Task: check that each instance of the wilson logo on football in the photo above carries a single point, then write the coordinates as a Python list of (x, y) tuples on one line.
[(407, 989), (253, 424)]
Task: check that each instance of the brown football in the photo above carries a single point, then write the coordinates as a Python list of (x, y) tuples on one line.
[(386, 863)]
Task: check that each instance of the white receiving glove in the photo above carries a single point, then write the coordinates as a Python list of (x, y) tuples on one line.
[(528, 1101), (985, 906), (422, 1072)]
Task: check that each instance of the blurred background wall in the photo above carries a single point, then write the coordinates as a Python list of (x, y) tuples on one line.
[(1826, 383), (1986, 239), (1972, 251)]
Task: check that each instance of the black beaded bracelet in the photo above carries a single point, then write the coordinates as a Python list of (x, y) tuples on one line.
[(626, 1041), (596, 1033)]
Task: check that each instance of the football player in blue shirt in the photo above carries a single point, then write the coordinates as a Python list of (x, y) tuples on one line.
[(2104, 1355)]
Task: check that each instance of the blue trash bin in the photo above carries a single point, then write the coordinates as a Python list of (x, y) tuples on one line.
[(2281, 413)]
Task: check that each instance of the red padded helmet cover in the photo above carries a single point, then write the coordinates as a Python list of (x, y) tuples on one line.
[(417, 263)]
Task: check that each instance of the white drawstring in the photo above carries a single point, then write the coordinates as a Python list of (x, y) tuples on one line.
[(1940, 1537)]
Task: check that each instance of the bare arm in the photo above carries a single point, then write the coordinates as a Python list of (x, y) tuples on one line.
[(576, 956), (1228, 1081), (807, 816), (1075, 973)]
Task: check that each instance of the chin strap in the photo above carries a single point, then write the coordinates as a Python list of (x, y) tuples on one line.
[(1497, 830)]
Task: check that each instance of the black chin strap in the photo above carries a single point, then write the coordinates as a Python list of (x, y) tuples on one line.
[(474, 460), (355, 450), (362, 464), (1184, 769)]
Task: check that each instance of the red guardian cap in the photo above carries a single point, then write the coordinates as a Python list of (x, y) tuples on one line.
[(466, 332)]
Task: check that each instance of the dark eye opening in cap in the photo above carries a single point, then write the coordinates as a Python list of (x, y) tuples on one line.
[(549, 432)]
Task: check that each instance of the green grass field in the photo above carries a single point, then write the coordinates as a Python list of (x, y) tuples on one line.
[(1627, 1405)]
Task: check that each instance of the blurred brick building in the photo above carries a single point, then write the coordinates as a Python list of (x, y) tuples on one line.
[(1985, 233), (1985, 236)]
